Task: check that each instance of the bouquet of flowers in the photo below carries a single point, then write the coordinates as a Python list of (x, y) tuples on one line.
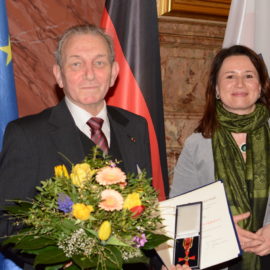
[(95, 217)]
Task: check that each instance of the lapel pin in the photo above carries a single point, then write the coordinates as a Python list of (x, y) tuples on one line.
[(133, 139)]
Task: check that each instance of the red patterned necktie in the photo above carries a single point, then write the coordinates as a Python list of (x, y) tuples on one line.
[(97, 136)]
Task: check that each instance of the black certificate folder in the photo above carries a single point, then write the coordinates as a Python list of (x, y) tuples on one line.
[(187, 240)]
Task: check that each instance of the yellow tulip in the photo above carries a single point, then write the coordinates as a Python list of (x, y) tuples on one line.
[(81, 173), (105, 230), (61, 171), (132, 200), (82, 211)]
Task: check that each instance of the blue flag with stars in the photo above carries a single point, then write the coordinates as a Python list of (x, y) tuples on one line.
[(8, 102)]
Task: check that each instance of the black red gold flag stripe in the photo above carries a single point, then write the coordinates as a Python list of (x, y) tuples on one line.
[(134, 27)]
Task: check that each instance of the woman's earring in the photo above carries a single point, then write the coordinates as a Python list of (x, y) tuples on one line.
[(217, 95)]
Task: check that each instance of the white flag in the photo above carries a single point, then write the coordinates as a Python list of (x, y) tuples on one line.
[(249, 25)]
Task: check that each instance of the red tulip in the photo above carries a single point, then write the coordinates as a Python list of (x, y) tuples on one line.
[(137, 210)]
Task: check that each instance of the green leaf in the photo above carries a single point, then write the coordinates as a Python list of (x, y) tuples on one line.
[(84, 262), (66, 225), (12, 239), (92, 232), (113, 258), (34, 242), (115, 242), (31, 251), (73, 267), (39, 188), (50, 255), (20, 208), (55, 267), (155, 240)]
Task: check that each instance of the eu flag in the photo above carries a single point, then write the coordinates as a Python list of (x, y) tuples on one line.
[(8, 103)]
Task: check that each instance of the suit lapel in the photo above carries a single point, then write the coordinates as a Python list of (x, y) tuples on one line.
[(123, 133), (65, 134)]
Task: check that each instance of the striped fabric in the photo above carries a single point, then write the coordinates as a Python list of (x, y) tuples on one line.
[(97, 136)]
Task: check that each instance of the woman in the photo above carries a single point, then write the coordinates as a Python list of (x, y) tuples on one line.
[(232, 143)]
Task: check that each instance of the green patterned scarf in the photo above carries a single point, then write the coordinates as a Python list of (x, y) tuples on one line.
[(246, 183)]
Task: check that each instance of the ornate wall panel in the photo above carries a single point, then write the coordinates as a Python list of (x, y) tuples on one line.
[(34, 28), (187, 49)]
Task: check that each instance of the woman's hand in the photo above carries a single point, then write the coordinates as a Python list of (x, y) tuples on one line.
[(264, 248), (67, 265), (248, 240), (177, 267)]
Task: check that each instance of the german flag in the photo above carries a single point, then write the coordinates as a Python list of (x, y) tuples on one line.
[(134, 28)]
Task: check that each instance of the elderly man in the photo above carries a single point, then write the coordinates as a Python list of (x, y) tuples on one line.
[(85, 69)]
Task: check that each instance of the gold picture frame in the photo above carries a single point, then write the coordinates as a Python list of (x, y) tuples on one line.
[(201, 9)]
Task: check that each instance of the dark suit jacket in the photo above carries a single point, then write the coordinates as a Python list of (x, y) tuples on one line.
[(32, 145)]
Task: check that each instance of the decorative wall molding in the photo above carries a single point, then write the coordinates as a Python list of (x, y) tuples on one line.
[(200, 9)]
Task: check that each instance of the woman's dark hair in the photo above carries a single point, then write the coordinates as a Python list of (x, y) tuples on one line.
[(209, 123)]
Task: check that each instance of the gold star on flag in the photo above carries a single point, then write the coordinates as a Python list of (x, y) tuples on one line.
[(7, 50)]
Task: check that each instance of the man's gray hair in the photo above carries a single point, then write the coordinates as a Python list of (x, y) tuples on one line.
[(83, 29)]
